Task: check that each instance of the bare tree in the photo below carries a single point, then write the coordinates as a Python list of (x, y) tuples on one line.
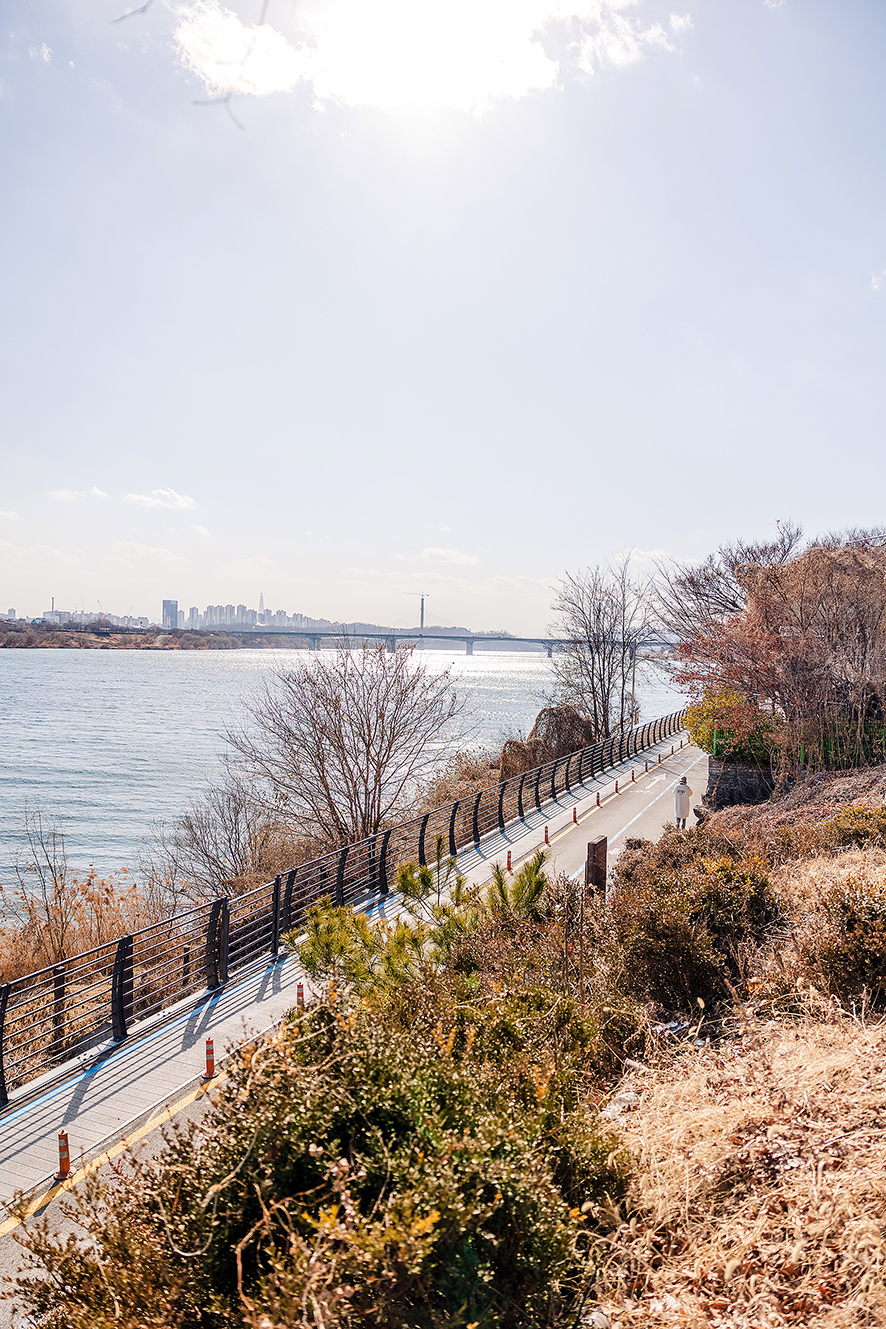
[(603, 612), (338, 747), (693, 597), (224, 837)]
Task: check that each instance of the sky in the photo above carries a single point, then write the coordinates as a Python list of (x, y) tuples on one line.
[(442, 296)]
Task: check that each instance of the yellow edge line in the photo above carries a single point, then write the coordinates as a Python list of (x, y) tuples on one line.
[(171, 1110)]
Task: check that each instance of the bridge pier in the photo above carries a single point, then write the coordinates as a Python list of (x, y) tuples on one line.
[(390, 645), (312, 643), (469, 646), (550, 651)]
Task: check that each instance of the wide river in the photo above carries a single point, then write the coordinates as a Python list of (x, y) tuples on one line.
[(113, 743)]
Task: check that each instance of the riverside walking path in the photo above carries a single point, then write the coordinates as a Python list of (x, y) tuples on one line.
[(110, 1100)]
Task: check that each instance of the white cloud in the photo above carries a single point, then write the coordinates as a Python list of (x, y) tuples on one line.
[(161, 498), (678, 23), (201, 530), (71, 495), (128, 550), (447, 556), (446, 529), (774, 4), (9, 516), (40, 53), (458, 53)]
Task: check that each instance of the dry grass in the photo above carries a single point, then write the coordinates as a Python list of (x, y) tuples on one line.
[(760, 1192), (801, 885)]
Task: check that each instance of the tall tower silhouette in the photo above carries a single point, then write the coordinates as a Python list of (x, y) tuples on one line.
[(261, 603)]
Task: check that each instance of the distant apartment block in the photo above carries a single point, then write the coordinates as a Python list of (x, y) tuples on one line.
[(241, 616), (170, 614), (81, 618)]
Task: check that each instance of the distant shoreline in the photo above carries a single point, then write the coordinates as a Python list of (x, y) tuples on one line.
[(39, 636)]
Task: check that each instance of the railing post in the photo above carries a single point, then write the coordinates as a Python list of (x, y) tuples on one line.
[(501, 803), (475, 820), (4, 1001), (383, 865), (340, 878), (217, 943), (275, 917), (122, 989), (224, 933), (453, 848), (422, 857), (566, 783), (520, 813), (58, 1010), (554, 782), (538, 789), (186, 966), (287, 900)]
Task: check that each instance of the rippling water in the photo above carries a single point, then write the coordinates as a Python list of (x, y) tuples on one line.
[(112, 742)]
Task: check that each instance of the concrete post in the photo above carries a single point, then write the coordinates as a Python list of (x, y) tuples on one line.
[(595, 866)]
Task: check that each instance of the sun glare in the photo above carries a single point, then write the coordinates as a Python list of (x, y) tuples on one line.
[(462, 54)]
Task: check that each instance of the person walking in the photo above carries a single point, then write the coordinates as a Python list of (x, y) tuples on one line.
[(682, 795)]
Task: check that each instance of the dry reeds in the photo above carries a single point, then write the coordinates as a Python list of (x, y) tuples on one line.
[(759, 1196)]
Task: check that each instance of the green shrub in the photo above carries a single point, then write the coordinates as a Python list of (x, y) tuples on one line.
[(728, 725), (843, 948), (351, 1174), (683, 925), (854, 826)]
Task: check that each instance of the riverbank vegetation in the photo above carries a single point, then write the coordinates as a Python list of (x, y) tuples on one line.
[(795, 632), (523, 1106)]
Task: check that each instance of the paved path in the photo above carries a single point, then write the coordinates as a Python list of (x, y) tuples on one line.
[(107, 1096)]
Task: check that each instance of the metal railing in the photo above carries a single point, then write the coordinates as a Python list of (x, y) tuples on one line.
[(50, 1016)]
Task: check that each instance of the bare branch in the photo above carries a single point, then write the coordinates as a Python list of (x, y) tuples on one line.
[(603, 613), (338, 747)]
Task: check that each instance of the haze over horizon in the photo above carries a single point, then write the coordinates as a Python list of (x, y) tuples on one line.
[(447, 297)]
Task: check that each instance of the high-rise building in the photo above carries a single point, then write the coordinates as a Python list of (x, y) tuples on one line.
[(180, 619), (170, 614), (193, 618), (261, 602)]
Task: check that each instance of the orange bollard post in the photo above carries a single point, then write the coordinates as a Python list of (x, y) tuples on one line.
[(646, 767), (509, 860), (659, 759), (616, 786), (300, 996), (210, 1060), (598, 800), (575, 815), (547, 841), (681, 742), (64, 1157), (633, 778), (672, 749)]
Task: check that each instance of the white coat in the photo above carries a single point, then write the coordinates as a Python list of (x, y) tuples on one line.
[(682, 795)]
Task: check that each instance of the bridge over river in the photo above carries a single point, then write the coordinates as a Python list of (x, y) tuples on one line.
[(341, 632)]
